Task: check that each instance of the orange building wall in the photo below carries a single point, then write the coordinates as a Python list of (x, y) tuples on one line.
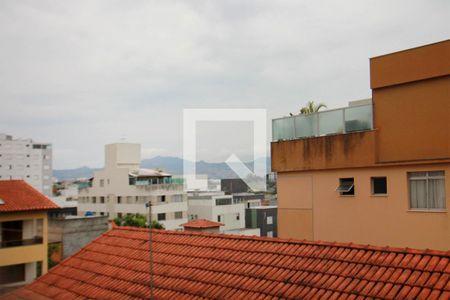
[(324, 152), (411, 109), (429, 61), (363, 218), (413, 121)]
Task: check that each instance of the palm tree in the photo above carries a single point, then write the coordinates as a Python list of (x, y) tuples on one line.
[(311, 107)]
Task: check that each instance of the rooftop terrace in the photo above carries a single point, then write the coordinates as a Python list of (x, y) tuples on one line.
[(356, 117)]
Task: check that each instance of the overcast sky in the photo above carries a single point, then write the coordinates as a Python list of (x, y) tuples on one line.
[(81, 74)]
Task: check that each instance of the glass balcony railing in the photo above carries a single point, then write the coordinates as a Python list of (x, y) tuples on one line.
[(335, 121), (158, 181)]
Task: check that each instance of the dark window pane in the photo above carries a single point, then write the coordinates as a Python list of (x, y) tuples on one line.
[(379, 185)]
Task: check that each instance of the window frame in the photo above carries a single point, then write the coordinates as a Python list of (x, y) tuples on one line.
[(160, 216), (427, 178), (372, 186), (351, 191)]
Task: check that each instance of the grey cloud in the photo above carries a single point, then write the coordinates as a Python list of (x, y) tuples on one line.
[(84, 73)]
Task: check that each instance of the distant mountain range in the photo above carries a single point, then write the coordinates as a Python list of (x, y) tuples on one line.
[(172, 165)]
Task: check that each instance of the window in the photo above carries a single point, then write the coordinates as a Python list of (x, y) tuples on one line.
[(102, 213), (102, 182), (270, 233), (219, 218), (269, 220), (162, 198), (12, 273), (119, 215), (162, 217), (426, 190), (177, 198), (119, 199), (178, 215), (238, 216), (223, 201), (346, 186), (379, 185), (102, 199), (94, 200)]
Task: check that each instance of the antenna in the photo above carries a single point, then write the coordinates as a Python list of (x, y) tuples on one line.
[(150, 245)]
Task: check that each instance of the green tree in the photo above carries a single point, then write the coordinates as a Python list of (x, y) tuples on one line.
[(157, 225), (137, 220), (311, 107)]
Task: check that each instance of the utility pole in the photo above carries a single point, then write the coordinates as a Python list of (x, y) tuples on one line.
[(150, 243)]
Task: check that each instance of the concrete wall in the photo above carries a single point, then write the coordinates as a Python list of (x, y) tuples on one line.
[(75, 233), (123, 155), (312, 209)]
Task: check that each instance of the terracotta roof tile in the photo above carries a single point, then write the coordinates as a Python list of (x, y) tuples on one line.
[(190, 265), (17, 195)]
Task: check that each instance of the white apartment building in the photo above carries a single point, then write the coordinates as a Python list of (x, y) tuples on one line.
[(216, 206), (122, 187), (27, 160)]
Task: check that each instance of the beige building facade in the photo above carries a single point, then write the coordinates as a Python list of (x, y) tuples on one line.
[(122, 187)]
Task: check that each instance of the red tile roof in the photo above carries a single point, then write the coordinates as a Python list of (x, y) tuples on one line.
[(17, 195), (202, 223), (191, 265)]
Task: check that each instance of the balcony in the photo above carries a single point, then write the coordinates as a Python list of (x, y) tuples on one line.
[(21, 233), (335, 121), (17, 243)]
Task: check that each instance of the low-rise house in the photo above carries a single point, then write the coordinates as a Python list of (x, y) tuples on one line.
[(191, 265), (216, 206), (23, 233), (202, 225)]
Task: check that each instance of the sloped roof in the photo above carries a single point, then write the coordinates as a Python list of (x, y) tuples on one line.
[(191, 265), (202, 223), (17, 195)]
